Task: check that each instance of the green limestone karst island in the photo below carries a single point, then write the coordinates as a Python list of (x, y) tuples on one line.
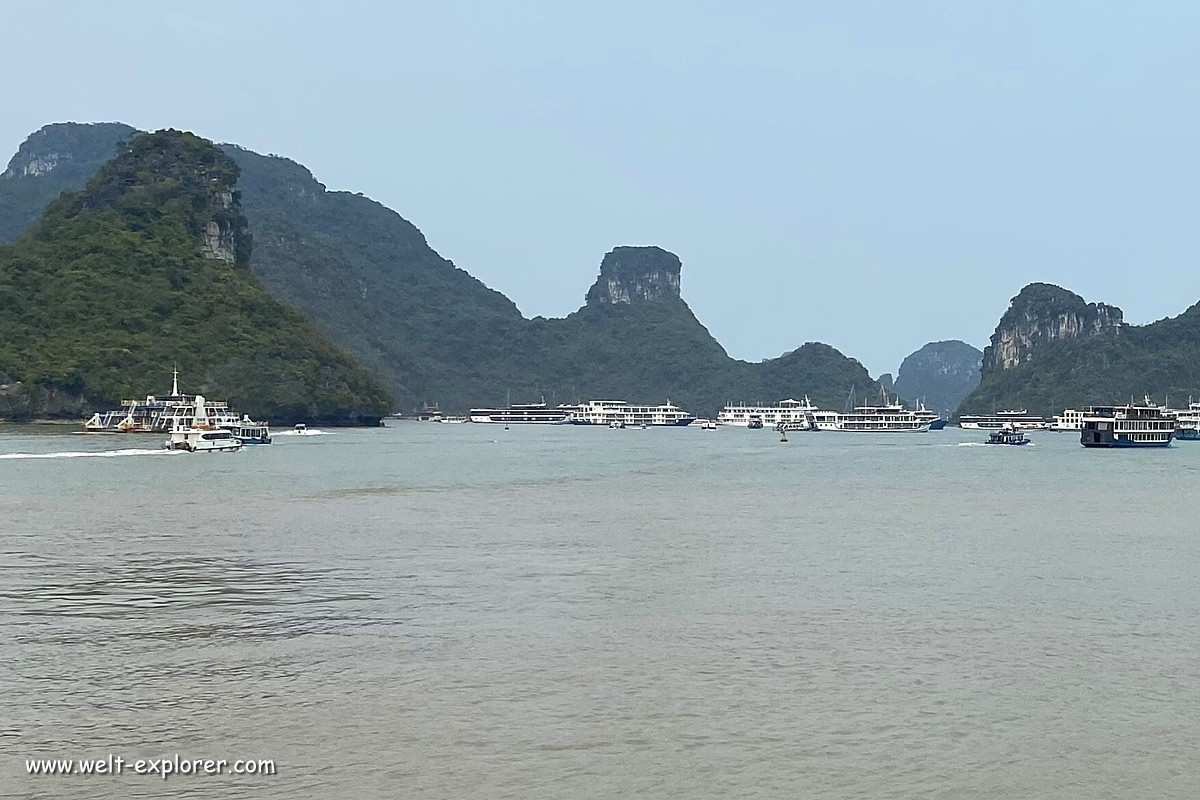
[(430, 332), (147, 267)]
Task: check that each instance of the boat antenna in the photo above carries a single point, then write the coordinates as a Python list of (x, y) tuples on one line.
[(175, 381)]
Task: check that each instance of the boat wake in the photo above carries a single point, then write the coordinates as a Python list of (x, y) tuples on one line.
[(92, 454), (985, 444), (309, 432)]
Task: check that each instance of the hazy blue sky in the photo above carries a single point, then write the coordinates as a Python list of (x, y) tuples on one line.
[(871, 175)]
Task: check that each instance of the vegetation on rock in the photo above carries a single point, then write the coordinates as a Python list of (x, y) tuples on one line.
[(109, 289)]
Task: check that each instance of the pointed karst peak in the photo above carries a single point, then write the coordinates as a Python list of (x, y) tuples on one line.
[(636, 275), (173, 169)]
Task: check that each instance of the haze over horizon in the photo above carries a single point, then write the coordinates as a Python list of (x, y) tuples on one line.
[(873, 177)]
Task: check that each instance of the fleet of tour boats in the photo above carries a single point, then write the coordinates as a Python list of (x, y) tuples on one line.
[(192, 422), (199, 425)]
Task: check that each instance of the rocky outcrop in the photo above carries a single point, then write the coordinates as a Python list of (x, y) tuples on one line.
[(219, 239), (66, 143), (1042, 313), (940, 374), (636, 274)]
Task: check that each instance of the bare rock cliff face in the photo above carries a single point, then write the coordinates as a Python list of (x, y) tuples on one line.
[(220, 238), (636, 275), (1042, 313)]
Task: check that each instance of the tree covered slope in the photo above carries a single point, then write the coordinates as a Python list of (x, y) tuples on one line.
[(148, 266)]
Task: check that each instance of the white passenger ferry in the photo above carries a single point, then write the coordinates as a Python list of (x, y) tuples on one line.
[(162, 414), (1187, 423), (889, 418), (1021, 419), (1069, 420), (790, 414), (200, 436), (521, 414), (607, 412)]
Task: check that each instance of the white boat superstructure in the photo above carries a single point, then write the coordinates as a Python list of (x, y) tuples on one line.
[(890, 418), (1187, 423), (201, 437), (1020, 419), (1070, 420), (789, 414), (606, 412), (162, 414)]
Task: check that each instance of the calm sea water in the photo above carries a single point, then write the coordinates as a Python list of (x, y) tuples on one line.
[(459, 611)]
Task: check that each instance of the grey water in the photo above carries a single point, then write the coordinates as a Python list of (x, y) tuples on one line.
[(461, 611)]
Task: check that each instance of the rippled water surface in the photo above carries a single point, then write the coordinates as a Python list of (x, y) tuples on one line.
[(459, 611)]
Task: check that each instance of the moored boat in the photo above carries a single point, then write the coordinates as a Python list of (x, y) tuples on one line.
[(885, 418), (1187, 423), (521, 414), (1002, 419), (935, 420), (1069, 420), (605, 412), (792, 413), (1126, 426), (161, 414)]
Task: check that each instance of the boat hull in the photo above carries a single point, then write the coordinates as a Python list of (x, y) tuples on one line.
[(1121, 444)]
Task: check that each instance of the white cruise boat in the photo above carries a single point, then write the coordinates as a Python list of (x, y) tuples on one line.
[(792, 415), (1187, 423), (1021, 419), (607, 412), (201, 437), (160, 414), (521, 414), (1069, 420), (1127, 426), (890, 418)]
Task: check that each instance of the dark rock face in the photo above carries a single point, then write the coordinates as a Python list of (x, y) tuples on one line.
[(67, 143), (940, 374), (635, 275), (55, 159), (1042, 313), (886, 381)]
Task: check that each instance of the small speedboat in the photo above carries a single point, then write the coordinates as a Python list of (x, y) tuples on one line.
[(617, 424), (1012, 435), (707, 425), (300, 428)]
